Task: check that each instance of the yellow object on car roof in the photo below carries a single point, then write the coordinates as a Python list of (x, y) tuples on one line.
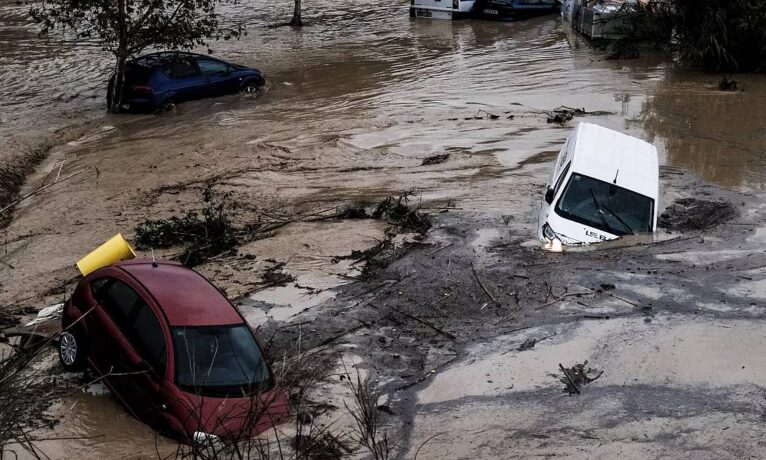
[(114, 250)]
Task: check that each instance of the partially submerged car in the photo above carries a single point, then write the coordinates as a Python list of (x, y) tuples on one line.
[(604, 185), (173, 350), (158, 80)]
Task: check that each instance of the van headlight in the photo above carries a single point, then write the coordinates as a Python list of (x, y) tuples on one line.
[(552, 240), (548, 233)]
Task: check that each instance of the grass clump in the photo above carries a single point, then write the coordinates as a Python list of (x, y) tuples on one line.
[(203, 234)]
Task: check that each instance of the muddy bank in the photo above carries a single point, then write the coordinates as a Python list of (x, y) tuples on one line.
[(444, 329)]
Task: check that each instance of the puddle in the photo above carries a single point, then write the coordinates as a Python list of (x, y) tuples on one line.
[(282, 302), (92, 426), (654, 399), (311, 251), (749, 289), (668, 351)]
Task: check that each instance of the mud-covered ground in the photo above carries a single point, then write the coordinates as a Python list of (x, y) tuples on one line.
[(674, 325), (352, 110)]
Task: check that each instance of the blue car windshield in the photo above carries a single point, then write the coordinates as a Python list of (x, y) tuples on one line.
[(219, 360), (606, 206)]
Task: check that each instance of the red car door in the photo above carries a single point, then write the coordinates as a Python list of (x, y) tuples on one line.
[(116, 333)]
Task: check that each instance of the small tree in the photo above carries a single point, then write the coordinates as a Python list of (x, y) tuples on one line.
[(296, 21), (128, 27)]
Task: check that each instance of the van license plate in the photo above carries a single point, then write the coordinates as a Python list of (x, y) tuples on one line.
[(491, 12)]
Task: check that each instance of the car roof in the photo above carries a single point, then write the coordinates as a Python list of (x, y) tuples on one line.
[(165, 57), (185, 296), (606, 154)]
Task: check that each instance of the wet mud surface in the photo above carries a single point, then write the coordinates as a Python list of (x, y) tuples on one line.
[(670, 334), (366, 103)]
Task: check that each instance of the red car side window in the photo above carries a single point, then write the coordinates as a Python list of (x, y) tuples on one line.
[(119, 300), (97, 287)]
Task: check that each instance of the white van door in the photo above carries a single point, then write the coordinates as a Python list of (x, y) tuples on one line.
[(560, 170)]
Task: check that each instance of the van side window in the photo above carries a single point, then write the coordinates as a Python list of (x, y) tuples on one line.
[(119, 301), (147, 336), (561, 178)]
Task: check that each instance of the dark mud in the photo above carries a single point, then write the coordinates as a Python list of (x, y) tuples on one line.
[(694, 214)]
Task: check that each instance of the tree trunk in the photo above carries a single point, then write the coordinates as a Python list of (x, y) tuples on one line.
[(296, 22), (118, 83)]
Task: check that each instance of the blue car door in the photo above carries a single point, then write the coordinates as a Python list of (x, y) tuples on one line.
[(220, 76), (186, 82)]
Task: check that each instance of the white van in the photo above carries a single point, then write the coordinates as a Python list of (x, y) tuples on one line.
[(441, 9), (604, 185)]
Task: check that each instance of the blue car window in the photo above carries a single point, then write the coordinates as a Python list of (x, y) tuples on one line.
[(211, 67), (182, 69)]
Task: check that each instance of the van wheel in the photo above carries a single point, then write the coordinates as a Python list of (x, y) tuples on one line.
[(71, 350)]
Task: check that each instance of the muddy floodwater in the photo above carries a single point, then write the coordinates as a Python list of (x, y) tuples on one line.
[(355, 101)]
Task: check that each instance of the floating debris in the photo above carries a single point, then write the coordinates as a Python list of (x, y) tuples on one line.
[(562, 114), (577, 376), (727, 85), (436, 159), (527, 345), (398, 211)]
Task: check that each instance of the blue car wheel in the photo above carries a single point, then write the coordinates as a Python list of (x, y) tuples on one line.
[(251, 86)]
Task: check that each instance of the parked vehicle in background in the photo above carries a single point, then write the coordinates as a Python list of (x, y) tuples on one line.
[(172, 349), (510, 10), (158, 80), (503, 10), (604, 185)]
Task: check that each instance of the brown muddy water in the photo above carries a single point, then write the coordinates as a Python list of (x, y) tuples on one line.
[(355, 101)]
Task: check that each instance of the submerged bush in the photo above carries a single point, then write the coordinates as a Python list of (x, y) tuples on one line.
[(203, 235), (720, 35)]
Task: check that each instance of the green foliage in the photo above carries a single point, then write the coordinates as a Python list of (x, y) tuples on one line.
[(720, 35), (134, 25), (202, 235), (128, 27)]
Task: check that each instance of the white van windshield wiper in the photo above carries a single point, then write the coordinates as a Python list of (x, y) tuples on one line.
[(619, 219), (599, 211), (600, 208)]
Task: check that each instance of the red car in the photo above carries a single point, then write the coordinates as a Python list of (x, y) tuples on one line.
[(173, 350)]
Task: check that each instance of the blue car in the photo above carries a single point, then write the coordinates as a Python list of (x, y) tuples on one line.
[(158, 81)]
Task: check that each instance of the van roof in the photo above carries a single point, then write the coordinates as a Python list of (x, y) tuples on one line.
[(604, 154)]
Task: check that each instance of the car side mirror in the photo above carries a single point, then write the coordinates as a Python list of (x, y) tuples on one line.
[(549, 196)]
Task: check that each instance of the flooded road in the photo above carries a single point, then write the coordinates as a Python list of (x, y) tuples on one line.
[(355, 101), (378, 80)]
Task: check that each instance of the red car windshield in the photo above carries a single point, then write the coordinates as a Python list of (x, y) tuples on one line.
[(219, 361)]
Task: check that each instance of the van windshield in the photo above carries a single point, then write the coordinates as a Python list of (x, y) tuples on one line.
[(605, 206), (219, 361)]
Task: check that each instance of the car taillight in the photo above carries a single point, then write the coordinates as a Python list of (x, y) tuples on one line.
[(142, 89)]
